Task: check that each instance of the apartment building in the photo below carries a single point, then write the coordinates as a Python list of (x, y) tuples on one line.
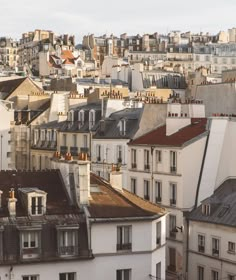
[(8, 52)]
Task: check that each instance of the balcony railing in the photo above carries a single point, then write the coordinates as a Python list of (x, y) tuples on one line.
[(124, 246), (133, 165), (201, 248), (84, 150), (173, 169), (147, 167), (63, 149), (158, 199), (74, 151), (215, 252), (68, 250)]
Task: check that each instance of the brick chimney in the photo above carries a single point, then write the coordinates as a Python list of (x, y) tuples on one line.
[(12, 203)]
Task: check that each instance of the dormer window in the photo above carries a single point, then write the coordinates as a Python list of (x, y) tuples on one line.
[(206, 209), (35, 200), (71, 116), (81, 117), (123, 127), (91, 119)]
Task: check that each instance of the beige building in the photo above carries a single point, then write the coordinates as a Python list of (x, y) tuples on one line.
[(8, 52)]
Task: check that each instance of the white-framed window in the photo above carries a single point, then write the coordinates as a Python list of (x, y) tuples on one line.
[(123, 274), (64, 142), (42, 134), (200, 272), (119, 153), (214, 275), (71, 116), (67, 276), (173, 193), (67, 242), (201, 243), (81, 117), (91, 119), (158, 191), (231, 247), (146, 189), (74, 140), (173, 161), (231, 277), (215, 246), (124, 238), (133, 158), (158, 233), (172, 225), (158, 271), (85, 140), (37, 205), (146, 160), (30, 277), (30, 239), (98, 152), (123, 127), (133, 183), (158, 156), (206, 209)]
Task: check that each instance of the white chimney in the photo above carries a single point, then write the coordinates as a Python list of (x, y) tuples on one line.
[(116, 180), (62, 116), (84, 182), (12, 203)]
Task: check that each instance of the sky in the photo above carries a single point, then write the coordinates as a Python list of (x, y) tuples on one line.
[(115, 16)]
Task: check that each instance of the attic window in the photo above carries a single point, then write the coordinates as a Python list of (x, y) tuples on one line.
[(91, 119), (206, 209), (81, 117), (123, 127)]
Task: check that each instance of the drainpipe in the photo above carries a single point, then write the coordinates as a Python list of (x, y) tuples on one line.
[(152, 185)]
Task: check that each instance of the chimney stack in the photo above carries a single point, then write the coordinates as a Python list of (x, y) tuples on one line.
[(116, 179), (84, 182), (12, 203)]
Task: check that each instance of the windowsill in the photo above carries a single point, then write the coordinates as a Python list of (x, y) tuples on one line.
[(231, 252)]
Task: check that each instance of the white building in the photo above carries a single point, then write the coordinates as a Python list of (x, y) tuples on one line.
[(164, 167), (7, 122)]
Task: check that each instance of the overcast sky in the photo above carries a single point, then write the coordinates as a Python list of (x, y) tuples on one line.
[(115, 16)]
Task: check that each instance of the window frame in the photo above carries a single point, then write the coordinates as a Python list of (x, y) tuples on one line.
[(124, 237), (158, 191)]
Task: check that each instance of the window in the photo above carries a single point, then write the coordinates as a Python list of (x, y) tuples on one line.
[(214, 275), (133, 185), (158, 157), (158, 233), (36, 205), (98, 151), (172, 225), (231, 277), (173, 193), (123, 274), (173, 161), (206, 210), (123, 127), (74, 140), (119, 154), (231, 247), (64, 139), (146, 190), (67, 242), (200, 273), (91, 119), (67, 276), (133, 159), (158, 190), (124, 241), (81, 118), (158, 271), (30, 239), (215, 246), (201, 243), (85, 138), (30, 277), (146, 160)]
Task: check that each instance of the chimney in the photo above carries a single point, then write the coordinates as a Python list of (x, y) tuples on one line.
[(12, 203), (62, 116), (116, 179), (84, 182)]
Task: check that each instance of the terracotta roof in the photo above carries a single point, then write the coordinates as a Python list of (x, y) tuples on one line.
[(68, 57), (49, 181), (159, 137), (107, 202)]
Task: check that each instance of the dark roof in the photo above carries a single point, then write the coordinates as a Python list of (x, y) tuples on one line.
[(107, 202), (50, 182), (7, 87), (177, 139), (111, 128), (222, 204)]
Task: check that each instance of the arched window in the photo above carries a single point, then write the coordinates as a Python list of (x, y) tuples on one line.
[(81, 117)]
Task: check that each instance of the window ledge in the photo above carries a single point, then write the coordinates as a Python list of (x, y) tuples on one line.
[(231, 252)]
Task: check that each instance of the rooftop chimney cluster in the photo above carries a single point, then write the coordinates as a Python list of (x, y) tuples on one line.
[(113, 94)]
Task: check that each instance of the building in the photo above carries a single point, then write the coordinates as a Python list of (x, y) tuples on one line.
[(8, 53), (211, 243), (160, 171), (85, 230)]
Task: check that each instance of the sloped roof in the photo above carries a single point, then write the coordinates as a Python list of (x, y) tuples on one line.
[(8, 86), (108, 202), (178, 139), (223, 206)]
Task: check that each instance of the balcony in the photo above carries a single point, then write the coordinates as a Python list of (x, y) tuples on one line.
[(215, 252), (173, 169), (158, 199), (147, 167), (123, 246), (172, 201), (30, 253), (63, 149), (74, 151), (133, 165), (201, 249), (68, 250)]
